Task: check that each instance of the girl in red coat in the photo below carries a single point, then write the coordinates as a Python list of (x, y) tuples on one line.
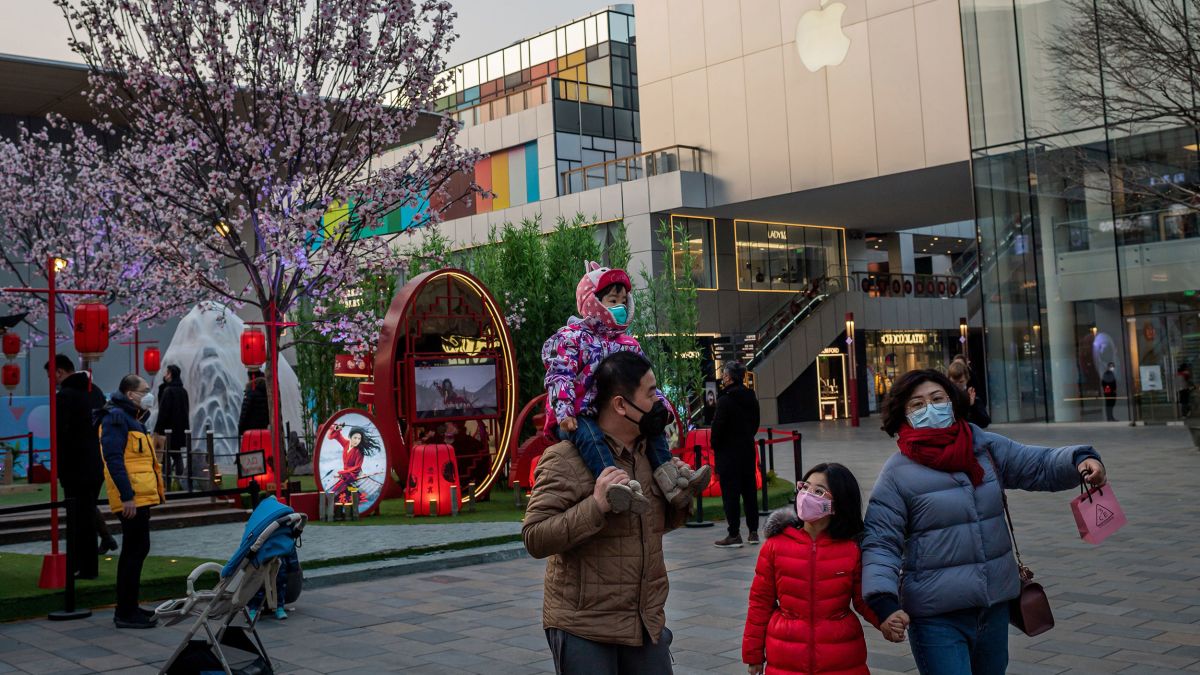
[(808, 576)]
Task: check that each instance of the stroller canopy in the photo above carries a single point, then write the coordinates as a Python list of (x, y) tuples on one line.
[(281, 542)]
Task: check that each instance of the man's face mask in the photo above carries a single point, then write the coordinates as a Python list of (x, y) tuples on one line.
[(654, 421)]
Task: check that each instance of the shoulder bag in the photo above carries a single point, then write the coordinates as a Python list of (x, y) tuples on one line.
[(1030, 611)]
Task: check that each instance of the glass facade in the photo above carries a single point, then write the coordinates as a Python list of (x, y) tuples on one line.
[(1085, 259), (785, 257), (695, 235)]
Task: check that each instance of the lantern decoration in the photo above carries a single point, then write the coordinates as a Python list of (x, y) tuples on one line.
[(152, 360), (12, 344), (259, 439), (352, 365), (366, 392), (254, 348), (11, 376), (702, 438), (91, 329), (433, 480)]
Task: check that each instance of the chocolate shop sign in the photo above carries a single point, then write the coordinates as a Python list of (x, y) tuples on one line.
[(903, 338)]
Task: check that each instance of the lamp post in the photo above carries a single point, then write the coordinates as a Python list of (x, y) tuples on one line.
[(54, 566), (853, 369), (136, 343), (962, 335), (273, 326)]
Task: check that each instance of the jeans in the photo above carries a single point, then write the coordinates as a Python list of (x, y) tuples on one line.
[(737, 489), (573, 654), (135, 546), (589, 440), (966, 641)]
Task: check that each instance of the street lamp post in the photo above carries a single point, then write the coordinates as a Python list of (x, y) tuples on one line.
[(273, 326), (853, 369), (962, 335), (54, 566), (136, 344)]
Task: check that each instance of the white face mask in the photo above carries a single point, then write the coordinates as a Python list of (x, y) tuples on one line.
[(147, 401)]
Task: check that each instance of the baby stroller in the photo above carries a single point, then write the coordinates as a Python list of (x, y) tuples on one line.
[(273, 532)]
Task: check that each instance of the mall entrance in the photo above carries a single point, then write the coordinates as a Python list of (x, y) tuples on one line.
[(895, 352), (1159, 346)]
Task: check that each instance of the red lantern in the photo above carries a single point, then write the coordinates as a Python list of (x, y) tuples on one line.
[(351, 365), (254, 348), (433, 480), (91, 329), (259, 439), (11, 376), (12, 344), (152, 359)]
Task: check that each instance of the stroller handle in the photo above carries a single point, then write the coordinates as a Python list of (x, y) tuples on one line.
[(201, 569), (294, 520)]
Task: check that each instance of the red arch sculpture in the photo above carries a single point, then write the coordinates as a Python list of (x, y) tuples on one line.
[(444, 315)]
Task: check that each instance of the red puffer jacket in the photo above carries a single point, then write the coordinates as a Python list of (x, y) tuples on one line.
[(800, 603)]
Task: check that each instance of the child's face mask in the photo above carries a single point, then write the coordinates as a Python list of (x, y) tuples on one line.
[(620, 314)]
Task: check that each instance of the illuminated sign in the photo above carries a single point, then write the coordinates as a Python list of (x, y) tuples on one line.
[(831, 350), (779, 234), (903, 338)]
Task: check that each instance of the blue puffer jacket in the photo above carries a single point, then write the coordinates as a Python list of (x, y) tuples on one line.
[(936, 544)]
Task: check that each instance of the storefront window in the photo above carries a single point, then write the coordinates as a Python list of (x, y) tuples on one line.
[(893, 353), (786, 257), (695, 236)]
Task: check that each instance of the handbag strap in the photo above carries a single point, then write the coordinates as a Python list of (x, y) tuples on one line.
[(1024, 572)]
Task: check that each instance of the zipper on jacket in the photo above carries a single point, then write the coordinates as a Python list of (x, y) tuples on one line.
[(812, 610)]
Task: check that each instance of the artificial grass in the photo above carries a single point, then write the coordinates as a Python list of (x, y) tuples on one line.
[(39, 496), (20, 596)]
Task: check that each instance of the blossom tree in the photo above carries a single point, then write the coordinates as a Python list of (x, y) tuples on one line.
[(252, 122), (52, 204)]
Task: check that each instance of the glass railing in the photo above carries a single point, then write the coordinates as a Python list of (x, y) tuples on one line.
[(1174, 223), (633, 167)]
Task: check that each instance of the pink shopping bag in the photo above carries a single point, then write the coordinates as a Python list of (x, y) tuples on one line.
[(1097, 513)]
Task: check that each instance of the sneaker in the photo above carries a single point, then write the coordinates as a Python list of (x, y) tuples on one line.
[(753, 538), (148, 613), (729, 542), (252, 612), (280, 613), (138, 620)]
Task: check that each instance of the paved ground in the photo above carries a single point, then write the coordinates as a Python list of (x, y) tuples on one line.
[(1130, 605)]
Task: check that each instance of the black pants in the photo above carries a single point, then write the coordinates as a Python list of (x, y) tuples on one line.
[(176, 467), (573, 654), (81, 528), (135, 546), (1110, 402), (737, 489)]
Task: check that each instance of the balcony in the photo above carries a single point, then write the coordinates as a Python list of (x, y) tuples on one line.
[(633, 167)]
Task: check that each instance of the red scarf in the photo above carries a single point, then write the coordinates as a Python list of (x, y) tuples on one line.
[(950, 449)]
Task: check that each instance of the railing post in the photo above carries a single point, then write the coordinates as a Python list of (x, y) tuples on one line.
[(29, 463), (210, 457), (699, 521), (797, 454), (68, 612), (187, 449), (762, 463), (771, 447)]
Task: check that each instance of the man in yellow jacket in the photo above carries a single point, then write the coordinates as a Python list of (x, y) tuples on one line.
[(134, 483)]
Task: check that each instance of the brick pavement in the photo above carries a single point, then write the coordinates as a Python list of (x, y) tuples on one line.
[(1131, 605)]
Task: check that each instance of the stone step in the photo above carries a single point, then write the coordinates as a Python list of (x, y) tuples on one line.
[(175, 513)]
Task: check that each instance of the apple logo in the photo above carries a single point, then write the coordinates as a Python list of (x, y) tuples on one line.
[(819, 37)]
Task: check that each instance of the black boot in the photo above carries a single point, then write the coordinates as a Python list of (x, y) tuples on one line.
[(107, 544)]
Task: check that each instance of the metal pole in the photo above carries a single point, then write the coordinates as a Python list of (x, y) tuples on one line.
[(771, 447), (50, 373), (210, 455), (187, 444), (699, 522), (75, 517), (762, 463), (798, 454)]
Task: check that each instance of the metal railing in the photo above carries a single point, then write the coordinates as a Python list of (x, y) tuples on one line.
[(632, 167)]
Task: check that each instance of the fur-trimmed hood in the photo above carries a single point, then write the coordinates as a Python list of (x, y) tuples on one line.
[(592, 312), (780, 520)]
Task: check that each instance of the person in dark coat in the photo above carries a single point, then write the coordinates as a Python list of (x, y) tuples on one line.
[(174, 416), (1108, 386), (80, 469), (733, 429), (255, 412), (960, 374)]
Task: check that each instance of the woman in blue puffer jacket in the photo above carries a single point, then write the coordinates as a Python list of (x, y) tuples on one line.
[(937, 554)]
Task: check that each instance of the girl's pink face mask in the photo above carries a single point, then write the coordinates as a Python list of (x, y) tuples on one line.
[(811, 507)]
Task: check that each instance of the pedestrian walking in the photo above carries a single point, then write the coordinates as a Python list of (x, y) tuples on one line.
[(808, 576), (1185, 387), (1108, 385), (937, 554), (606, 581), (734, 427), (173, 422), (571, 357), (255, 413), (80, 469), (135, 484), (960, 374)]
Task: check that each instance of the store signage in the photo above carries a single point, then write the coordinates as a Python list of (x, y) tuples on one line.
[(831, 350), (903, 338), (779, 234)]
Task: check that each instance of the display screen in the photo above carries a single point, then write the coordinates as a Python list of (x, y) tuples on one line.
[(455, 388)]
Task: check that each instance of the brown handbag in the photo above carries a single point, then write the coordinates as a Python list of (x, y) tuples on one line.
[(1030, 611)]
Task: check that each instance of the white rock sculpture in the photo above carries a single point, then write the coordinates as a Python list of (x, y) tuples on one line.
[(207, 348)]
